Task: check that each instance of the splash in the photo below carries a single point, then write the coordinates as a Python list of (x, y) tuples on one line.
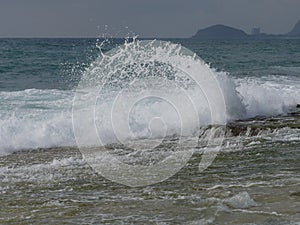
[(147, 89), (140, 96)]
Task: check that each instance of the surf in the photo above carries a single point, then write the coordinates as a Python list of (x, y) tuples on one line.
[(42, 118)]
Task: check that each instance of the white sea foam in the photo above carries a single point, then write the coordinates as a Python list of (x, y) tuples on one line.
[(35, 118), (272, 95)]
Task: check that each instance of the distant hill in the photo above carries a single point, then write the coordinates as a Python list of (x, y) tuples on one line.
[(225, 32), (220, 32), (296, 30)]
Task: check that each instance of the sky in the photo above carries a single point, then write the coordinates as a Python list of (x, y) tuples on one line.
[(145, 18)]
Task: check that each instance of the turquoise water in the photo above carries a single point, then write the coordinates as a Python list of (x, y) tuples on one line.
[(253, 180)]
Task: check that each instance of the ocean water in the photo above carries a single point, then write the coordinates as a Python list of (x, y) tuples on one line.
[(48, 105)]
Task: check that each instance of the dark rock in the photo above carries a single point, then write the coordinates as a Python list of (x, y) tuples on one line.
[(295, 194)]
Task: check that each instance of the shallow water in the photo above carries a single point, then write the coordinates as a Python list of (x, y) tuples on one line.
[(254, 179)]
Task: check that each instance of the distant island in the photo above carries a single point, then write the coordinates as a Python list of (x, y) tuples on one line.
[(220, 31)]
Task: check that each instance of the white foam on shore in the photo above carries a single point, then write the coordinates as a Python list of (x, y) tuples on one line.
[(40, 172)]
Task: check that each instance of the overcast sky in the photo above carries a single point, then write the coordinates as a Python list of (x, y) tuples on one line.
[(146, 18)]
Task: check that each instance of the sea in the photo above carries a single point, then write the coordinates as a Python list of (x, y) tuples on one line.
[(134, 131)]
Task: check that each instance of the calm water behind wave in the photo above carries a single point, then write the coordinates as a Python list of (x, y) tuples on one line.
[(56, 63)]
